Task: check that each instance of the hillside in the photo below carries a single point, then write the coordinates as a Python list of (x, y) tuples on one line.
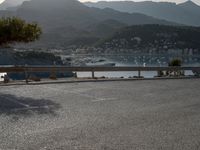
[(66, 21), (11, 57), (154, 37), (187, 13)]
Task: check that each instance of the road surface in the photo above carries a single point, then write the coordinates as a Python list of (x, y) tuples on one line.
[(123, 115)]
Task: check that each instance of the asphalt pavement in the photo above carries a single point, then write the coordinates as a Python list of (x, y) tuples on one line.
[(120, 115)]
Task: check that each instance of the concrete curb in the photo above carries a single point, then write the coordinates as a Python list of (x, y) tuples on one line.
[(93, 80)]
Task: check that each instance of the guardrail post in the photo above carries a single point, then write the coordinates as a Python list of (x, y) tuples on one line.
[(53, 73), (139, 73), (93, 76), (75, 75), (26, 75)]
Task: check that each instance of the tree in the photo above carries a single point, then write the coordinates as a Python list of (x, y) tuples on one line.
[(176, 63), (13, 29)]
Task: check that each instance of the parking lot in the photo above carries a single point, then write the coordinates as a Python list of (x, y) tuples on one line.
[(120, 115)]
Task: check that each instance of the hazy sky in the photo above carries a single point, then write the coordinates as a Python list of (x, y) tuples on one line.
[(177, 1)]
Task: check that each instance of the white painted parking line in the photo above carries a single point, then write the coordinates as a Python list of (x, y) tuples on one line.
[(32, 108), (95, 99), (78, 92), (104, 99), (12, 100)]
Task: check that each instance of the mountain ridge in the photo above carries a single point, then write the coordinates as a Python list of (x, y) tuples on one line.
[(187, 13)]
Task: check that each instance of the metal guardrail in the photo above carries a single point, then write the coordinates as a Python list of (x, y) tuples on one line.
[(92, 69), (88, 68)]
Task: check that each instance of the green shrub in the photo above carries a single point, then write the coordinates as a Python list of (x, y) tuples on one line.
[(175, 62)]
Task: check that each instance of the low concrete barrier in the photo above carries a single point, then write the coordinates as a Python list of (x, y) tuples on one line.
[(31, 69)]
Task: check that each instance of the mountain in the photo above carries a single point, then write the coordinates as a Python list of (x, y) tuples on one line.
[(8, 4), (66, 21), (106, 28), (154, 37), (75, 13), (190, 7), (187, 13)]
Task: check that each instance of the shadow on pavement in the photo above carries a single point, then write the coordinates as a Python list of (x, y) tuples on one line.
[(12, 105)]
